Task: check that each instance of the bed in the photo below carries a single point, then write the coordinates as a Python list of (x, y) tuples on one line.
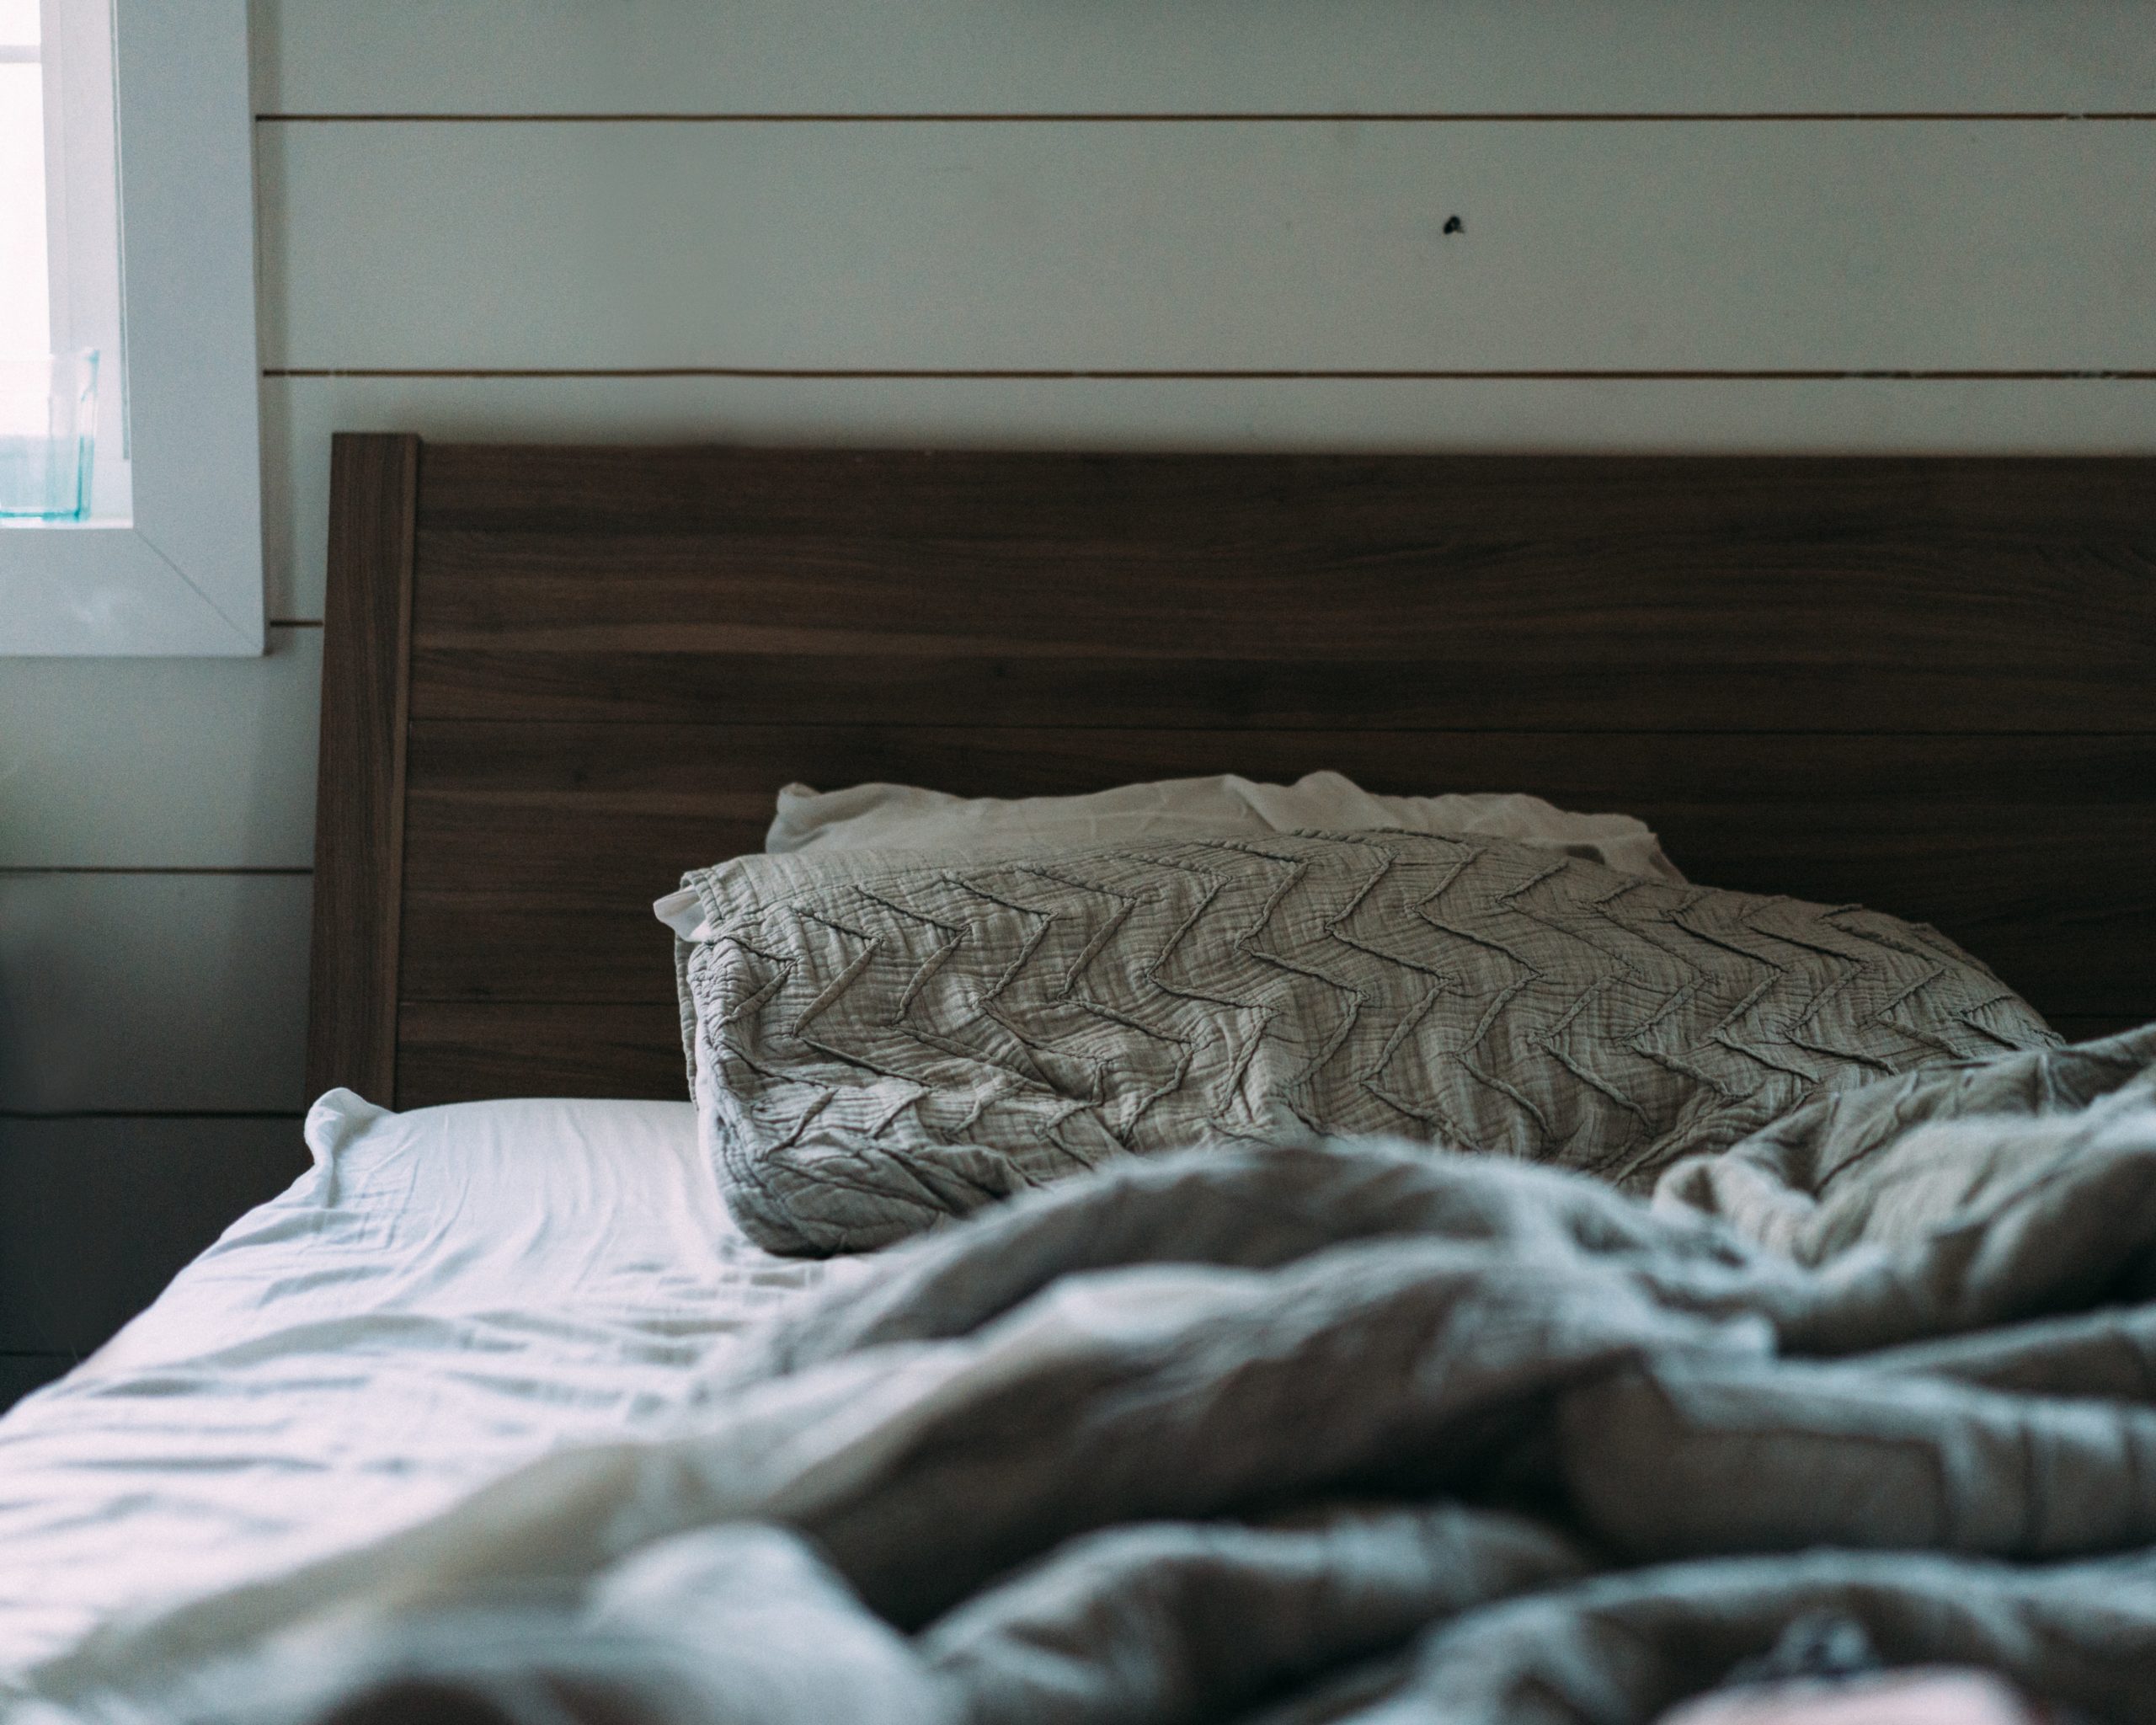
[(556, 678)]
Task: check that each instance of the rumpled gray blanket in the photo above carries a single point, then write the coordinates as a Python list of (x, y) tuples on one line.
[(1331, 1433)]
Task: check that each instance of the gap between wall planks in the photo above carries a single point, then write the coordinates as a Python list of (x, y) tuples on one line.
[(1228, 375), (1233, 117), (56, 1114), (240, 868)]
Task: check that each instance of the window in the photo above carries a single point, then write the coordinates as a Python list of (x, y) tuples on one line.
[(126, 227), (23, 315), (60, 214)]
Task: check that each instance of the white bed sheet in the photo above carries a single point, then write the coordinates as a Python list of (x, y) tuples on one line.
[(447, 1293)]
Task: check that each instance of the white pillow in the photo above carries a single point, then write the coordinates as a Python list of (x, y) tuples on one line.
[(902, 818), (880, 817)]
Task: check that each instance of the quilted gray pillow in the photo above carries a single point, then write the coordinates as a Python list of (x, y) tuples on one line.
[(879, 1041)]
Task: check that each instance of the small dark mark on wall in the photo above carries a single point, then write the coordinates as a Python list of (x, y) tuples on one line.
[(1454, 225)]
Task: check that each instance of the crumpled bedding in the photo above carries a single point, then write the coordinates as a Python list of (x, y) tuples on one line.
[(879, 1042), (1334, 1432)]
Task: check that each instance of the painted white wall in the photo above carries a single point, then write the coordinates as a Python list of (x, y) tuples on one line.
[(1726, 209)]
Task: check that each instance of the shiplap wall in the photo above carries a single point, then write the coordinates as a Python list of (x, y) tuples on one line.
[(1822, 225)]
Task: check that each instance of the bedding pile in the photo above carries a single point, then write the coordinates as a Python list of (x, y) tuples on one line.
[(880, 1041), (1331, 1432)]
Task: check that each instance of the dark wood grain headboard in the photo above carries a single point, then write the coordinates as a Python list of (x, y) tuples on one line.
[(555, 677)]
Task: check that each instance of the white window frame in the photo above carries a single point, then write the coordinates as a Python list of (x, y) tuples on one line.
[(180, 573)]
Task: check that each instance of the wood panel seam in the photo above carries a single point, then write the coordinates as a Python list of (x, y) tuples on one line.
[(151, 1114), (242, 869), (1236, 117), (1143, 374), (840, 727)]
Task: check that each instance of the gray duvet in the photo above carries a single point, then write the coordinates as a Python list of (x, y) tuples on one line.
[(881, 1041), (1335, 1431)]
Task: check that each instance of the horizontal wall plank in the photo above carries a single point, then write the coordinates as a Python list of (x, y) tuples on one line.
[(1849, 416), (162, 763), (1845, 246), (456, 1051), (485, 55), (534, 854), (146, 993), (97, 1215)]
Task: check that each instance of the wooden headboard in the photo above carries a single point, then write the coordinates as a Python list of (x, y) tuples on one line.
[(555, 677)]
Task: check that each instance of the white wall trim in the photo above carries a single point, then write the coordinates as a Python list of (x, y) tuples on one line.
[(182, 575)]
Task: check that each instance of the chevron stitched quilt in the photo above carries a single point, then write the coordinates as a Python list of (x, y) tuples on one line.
[(881, 1041)]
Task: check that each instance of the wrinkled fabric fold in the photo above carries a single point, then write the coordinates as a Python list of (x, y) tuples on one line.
[(1328, 1432)]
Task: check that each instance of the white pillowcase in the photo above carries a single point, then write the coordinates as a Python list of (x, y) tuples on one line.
[(902, 818), (881, 817)]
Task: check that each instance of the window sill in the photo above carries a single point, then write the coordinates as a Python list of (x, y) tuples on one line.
[(109, 588)]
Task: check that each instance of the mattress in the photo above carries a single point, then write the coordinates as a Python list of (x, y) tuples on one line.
[(446, 1295)]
